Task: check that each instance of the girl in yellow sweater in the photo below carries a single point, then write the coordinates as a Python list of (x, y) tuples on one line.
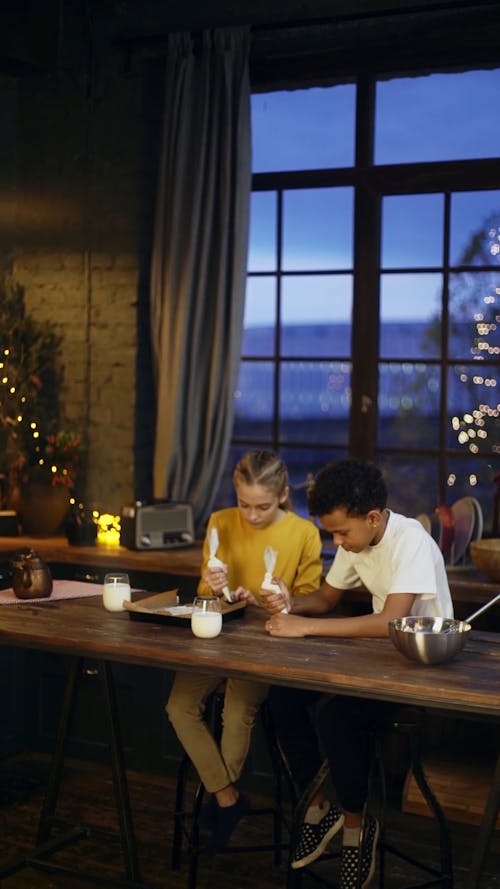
[(261, 519)]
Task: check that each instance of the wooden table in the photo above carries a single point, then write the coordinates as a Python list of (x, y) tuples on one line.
[(369, 668)]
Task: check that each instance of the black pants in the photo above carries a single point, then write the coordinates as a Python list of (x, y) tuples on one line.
[(308, 722)]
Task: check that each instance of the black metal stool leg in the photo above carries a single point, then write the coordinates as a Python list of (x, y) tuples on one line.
[(179, 813), (445, 852), (378, 765), (281, 775), (214, 706), (194, 838)]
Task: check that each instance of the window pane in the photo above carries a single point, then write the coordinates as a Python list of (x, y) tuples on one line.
[(437, 117), (474, 409), (315, 399), (475, 315), (303, 465), (410, 316), (254, 400), (408, 405), (412, 231), (316, 315), (260, 316), (472, 477), (262, 235), (475, 228), (303, 130), (318, 229), (412, 483)]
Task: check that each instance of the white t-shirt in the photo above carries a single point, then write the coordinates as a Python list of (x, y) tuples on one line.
[(406, 560)]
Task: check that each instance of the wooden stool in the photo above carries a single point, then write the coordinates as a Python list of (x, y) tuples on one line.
[(186, 821)]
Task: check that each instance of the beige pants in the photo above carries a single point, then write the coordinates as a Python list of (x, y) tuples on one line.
[(217, 765)]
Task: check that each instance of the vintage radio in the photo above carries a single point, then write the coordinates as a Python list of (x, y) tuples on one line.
[(161, 525)]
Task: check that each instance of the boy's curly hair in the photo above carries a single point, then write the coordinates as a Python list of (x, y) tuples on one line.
[(351, 484)]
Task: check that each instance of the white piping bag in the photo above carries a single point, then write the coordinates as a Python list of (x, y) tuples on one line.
[(270, 556), (214, 562)]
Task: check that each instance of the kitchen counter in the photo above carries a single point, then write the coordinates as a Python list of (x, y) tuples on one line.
[(183, 560), (469, 588)]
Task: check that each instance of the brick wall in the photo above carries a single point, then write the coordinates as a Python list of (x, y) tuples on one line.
[(69, 219)]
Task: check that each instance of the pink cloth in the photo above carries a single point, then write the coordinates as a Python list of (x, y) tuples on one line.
[(61, 589)]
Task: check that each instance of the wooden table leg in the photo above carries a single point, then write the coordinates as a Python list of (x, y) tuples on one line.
[(485, 830), (120, 784), (52, 793)]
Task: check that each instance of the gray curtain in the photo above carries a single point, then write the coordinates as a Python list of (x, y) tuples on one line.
[(199, 261)]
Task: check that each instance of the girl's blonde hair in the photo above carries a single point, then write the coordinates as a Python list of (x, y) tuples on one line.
[(263, 468)]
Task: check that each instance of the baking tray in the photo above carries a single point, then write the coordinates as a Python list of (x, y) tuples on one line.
[(156, 609)]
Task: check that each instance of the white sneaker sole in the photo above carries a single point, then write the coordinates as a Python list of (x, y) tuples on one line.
[(320, 848)]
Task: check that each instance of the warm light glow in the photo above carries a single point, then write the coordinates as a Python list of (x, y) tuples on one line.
[(108, 529)]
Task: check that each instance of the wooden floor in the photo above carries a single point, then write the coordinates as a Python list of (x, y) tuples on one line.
[(87, 797)]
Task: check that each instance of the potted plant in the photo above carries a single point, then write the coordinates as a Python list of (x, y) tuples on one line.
[(40, 461)]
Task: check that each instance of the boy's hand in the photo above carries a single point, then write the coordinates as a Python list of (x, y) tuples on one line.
[(286, 625)]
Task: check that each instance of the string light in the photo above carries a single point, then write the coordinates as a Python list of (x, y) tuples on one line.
[(477, 426)]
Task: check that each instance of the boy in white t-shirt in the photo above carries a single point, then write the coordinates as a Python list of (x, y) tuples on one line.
[(403, 569)]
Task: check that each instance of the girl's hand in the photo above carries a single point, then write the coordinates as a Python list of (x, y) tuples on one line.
[(275, 602), (216, 578), (243, 595), (286, 625)]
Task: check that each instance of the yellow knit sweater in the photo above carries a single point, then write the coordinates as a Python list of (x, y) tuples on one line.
[(241, 548)]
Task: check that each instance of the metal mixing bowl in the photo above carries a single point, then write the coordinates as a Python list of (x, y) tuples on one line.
[(429, 640)]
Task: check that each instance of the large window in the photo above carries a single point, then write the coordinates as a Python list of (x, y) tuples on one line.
[(372, 316)]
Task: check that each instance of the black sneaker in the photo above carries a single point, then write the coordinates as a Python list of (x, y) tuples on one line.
[(225, 822), (351, 867), (314, 838), (208, 814)]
